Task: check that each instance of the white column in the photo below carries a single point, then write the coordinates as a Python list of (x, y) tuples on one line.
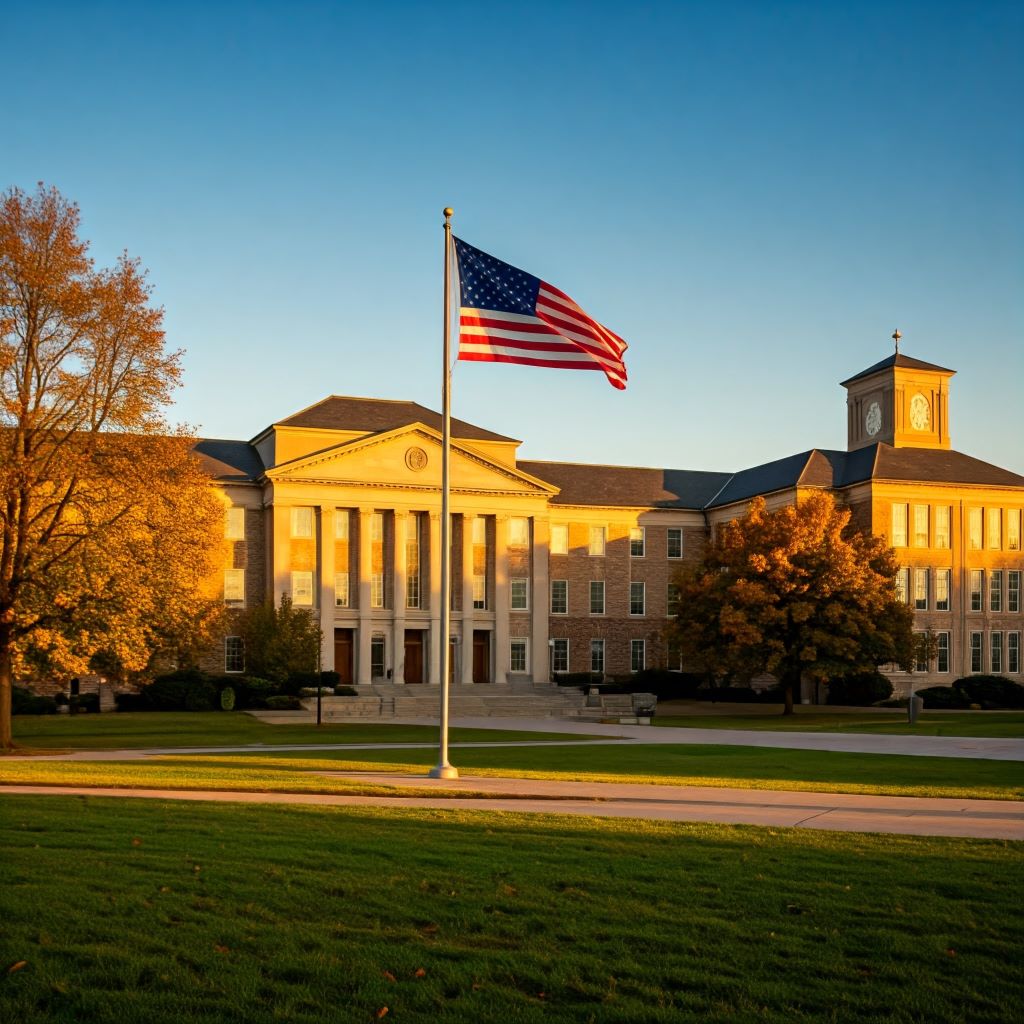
[(362, 672), (434, 675), (399, 561), (282, 529), (325, 538), (539, 656), (467, 599), (501, 599)]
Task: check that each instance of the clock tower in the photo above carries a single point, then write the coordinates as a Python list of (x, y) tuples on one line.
[(900, 401)]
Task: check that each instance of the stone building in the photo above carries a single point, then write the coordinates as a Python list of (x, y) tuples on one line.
[(566, 567)]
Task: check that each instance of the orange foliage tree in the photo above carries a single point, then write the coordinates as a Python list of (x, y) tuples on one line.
[(792, 592), (109, 530)]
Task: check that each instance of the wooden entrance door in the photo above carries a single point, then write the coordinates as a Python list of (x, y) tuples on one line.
[(481, 656), (414, 656), (343, 655)]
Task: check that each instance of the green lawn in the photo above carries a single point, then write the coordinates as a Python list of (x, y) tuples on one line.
[(160, 913), (135, 730), (692, 765), (950, 723)]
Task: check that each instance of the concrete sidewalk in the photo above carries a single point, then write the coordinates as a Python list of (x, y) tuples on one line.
[(840, 812)]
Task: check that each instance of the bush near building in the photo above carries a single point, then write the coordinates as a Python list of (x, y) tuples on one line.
[(859, 691), (991, 693)]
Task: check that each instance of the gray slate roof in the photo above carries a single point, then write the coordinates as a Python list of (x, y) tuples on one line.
[(896, 359), (229, 460)]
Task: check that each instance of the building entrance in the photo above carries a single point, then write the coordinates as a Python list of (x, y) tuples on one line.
[(343, 655), (414, 655), (481, 656)]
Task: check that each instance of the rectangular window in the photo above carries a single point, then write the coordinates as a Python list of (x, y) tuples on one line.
[(921, 590), (1013, 653), (480, 593), (977, 577), (974, 521), (377, 527), (1013, 529), (899, 526), (921, 665), (376, 590), (995, 652), (672, 604), (520, 595), (597, 656), (341, 523), (942, 577), (976, 652), (518, 532), (1013, 590), (636, 542), (234, 586), (234, 523), (995, 590), (302, 589), (341, 598), (637, 655), (412, 561), (995, 528), (559, 597), (597, 597), (942, 526), (637, 598), (560, 655), (597, 541), (234, 654), (675, 542), (942, 652), (517, 655), (903, 586), (302, 522), (377, 666), (560, 539), (920, 526)]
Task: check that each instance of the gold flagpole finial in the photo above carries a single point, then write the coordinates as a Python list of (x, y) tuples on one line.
[(896, 337), (448, 211)]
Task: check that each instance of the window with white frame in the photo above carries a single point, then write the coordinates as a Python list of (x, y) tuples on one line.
[(234, 586), (977, 583), (942, 519), (995, 652), (974, 528), (637, 598), (597, 656), (597, 597), (942, 652), (1013, 653), (921, 589), (341, 523), (597, 541), (234, 523), (976, 652), (378, 652), (480, 593), (942, 580), (412, 561), (675, 542), (995, 590), (518, 531), (234, 654), (672, 602), (560, 539), (520, 601), (899, 526), (995, 528), (1013, 590), (517, 654), (920, 526), (1013, 529), (376, 590), (302, 522), (903, 585), (560, 654), (637, 655), (559, 597), (341, 595), (637, 542), (921, 664), (302, 589)]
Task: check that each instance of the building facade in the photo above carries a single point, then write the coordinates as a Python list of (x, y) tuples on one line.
[(563, 567)]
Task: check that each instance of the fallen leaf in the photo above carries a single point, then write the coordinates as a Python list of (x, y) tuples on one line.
[(17, 967), (136, 841), (382, 1012), (389, 976), (221, 949), (950, 952), (429, 929), (420, 973)]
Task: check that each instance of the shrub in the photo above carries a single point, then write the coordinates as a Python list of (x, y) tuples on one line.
[(311, 691), (941, 697), (284, 702), (860, 690), (185, 690), (25, 702), (298, 681), (251, 691), (130, 702), (227, 699), (346, 691), (584, 679), (990, 691), (666, 685), (330, 679), (84, 702)]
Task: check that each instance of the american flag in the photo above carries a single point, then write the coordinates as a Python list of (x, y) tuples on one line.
[(509, 316)]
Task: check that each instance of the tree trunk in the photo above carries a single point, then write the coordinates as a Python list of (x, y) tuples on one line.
[(6, 737), (788, 684)]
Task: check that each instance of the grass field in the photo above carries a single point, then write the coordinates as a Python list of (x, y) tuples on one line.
[(819, 719), (146, 913), (744, 767)]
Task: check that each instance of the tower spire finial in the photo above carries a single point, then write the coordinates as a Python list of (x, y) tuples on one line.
[(896, 337)]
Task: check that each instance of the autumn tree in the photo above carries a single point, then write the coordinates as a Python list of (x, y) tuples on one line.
[(280, 641), (792, 592), (108, 527)]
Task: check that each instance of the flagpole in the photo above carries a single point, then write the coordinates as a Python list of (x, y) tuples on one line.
[(443, 769)]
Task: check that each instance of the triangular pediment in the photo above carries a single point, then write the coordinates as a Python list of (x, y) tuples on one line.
[(408, 457)]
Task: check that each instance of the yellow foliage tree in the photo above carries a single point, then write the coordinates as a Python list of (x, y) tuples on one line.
[(109, 530)]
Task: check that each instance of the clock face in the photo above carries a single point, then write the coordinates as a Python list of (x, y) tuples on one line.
[(873, 420), (920, 412)]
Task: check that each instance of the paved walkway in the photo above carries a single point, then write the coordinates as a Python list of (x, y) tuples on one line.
[(841, 812)]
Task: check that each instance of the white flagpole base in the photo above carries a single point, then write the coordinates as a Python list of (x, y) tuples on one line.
[(444, 771)]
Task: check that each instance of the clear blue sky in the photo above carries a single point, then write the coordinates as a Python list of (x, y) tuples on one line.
[(752, 194)]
